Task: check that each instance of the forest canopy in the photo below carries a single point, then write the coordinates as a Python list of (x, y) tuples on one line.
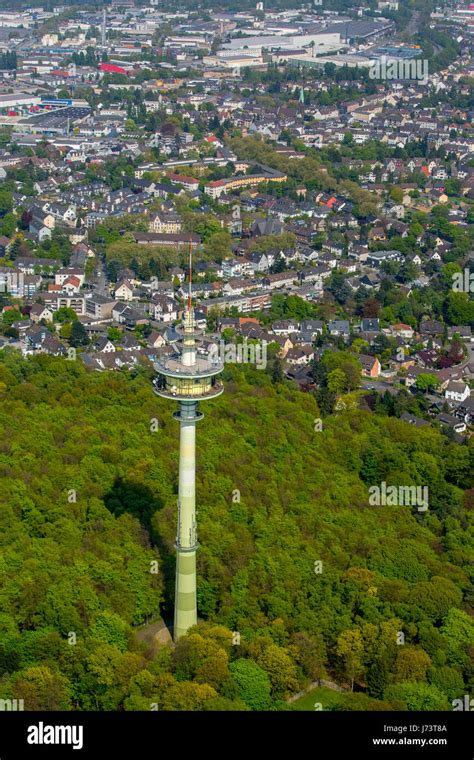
[(299, 578)]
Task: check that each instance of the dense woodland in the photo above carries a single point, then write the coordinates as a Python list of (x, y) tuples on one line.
[(88, 510)]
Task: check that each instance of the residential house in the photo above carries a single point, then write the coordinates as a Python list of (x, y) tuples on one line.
[(311, 328), (285, 327), (300, 355), (124, 291), (339, 328), (104, 345), (465, 411), (280, 280), (156, 340), (457, 391), (452, 422), (401, 330), (65, 273), (130, 342), (163, 309), (39, 312), (369, 325), (464, 332), (370, 365), (413, 420)]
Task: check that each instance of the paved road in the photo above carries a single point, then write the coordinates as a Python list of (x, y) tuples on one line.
[(413, 25), (379, 385), (99, 279), (470, 352)]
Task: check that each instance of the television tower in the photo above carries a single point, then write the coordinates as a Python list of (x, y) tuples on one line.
[(187, 378), (301, 100), (104, 29)]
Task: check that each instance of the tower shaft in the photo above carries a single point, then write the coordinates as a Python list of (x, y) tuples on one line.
[(185, 613)]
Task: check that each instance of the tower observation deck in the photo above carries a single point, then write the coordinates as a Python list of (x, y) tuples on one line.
[(188, 378)]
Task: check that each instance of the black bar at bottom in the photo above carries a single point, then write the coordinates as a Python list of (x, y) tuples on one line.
[(312, 734)]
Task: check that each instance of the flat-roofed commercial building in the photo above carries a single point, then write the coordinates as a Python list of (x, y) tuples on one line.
[(324, 40), (18, 99), (234, 62), (365, 29)]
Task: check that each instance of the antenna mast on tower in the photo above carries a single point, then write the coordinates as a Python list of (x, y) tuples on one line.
[(190, 274)]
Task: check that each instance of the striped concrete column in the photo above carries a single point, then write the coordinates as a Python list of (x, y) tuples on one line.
[(185, 614)]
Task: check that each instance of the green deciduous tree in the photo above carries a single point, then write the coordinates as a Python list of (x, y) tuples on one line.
[(350, 647), (417, 696), (253, 684), (411, 664)]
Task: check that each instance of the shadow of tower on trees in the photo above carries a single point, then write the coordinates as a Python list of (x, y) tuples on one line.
[(126, 497)]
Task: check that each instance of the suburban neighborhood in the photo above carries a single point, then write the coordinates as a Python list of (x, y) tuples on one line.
[(324, 207)]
